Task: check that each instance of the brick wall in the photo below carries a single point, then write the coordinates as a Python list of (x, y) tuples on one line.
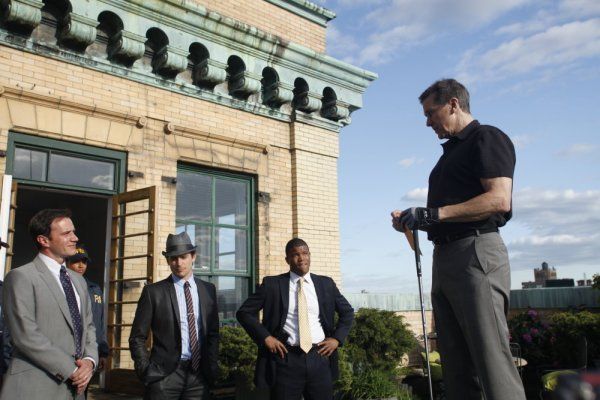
[(293, 162), (271, 19)]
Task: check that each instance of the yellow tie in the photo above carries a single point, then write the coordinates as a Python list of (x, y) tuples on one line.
[(303, 326)]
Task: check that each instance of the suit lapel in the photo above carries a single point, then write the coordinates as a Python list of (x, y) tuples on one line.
[(320, 294), (56, 291), (170, 287), (284, 289), (204, 302)]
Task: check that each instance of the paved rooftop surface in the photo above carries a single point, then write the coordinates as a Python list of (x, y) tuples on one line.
[(95, 393)]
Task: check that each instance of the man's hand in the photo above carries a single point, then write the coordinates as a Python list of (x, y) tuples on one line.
[(327, 346), (275, 346), (415, 218), (101, 363), (82, 375)]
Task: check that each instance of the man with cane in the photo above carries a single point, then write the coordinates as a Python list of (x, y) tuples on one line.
[(469, 198)]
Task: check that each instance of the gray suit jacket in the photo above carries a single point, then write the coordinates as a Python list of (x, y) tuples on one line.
[(37, 315)]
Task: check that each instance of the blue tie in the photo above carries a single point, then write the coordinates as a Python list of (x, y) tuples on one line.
[(73, 309)]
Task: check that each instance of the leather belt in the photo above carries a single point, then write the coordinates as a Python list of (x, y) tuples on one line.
[(445, 239)]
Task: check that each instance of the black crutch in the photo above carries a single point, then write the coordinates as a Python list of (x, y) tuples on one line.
[(423, 316)]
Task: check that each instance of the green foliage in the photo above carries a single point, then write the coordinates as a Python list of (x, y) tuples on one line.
[(376, 384), (344, 382), (369, 359), (555, 343), (237, 357), (596, 281), (377, 340), (534, 336), (567, 326)]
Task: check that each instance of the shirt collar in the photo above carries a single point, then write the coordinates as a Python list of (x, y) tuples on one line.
[(180, 281), (462, 135), (294, 277), (51, 263)]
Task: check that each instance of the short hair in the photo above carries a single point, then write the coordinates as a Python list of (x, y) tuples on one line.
[(295, 242), (445, 89), (40, 223)]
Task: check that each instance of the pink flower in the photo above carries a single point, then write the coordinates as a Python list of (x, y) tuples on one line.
[(527, 337), (532, 313), (534, 332)]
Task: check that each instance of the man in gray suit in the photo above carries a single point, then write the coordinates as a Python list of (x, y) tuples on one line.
[(48, 312)]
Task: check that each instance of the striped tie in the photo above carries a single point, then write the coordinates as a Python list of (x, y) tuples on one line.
[(194, 344), (303, 326)]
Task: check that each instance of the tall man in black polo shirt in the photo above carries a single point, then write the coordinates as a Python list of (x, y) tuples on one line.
[(469, 198)]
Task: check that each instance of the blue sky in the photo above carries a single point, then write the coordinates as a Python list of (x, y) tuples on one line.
[(533, 70)]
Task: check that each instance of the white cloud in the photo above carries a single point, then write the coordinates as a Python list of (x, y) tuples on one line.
[(338, 43), (401, 24), (557, 46), (562, 225), (418, 194), (578, 149), (409, 162), (522, 141), (579, 8)]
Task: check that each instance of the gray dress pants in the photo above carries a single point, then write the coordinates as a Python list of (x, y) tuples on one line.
[(470, 296)]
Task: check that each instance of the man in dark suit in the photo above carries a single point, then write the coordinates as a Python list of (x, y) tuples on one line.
[(48, 313), (297, 339), (4, 336), (79, 263), (181, 311)]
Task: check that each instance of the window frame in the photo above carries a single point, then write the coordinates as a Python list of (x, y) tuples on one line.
[(59, 147), (250, 228)]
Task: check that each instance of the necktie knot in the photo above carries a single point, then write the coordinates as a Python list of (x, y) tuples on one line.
[(186, 285)]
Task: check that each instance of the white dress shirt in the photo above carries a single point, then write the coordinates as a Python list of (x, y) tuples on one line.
[(291, 322), (54, 268), (186, 350)]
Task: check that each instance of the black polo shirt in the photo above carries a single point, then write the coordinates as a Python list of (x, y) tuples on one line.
[(478, 151)]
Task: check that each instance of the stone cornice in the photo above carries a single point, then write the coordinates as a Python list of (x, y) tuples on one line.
[(185, 24), (306, 9)]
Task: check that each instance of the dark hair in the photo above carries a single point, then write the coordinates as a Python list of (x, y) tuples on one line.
[(40, 223), (445, 89), (295, 242)]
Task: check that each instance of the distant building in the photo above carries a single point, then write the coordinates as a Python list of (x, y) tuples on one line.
[(584, 282), (553, 283), (543, 274), (529, 285)]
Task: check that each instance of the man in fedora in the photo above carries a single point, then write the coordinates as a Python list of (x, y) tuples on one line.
[(181, 311)]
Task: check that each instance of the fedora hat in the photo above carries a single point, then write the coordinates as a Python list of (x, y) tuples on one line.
[(178, 245)]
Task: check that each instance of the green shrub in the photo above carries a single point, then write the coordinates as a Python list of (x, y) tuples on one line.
[(567, 326), (534, 336), (237, 357), (377, 340), (344, 383), (376, 384)]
